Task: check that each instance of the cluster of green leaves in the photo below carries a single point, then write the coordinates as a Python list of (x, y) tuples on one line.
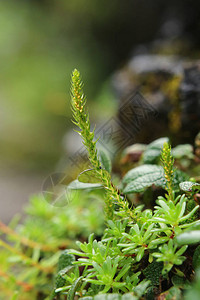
[(144, 251), (117, 263), (141, 248), (30, 249)]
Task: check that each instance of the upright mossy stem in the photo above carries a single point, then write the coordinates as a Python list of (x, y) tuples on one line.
[(81, 119), (168, 163)]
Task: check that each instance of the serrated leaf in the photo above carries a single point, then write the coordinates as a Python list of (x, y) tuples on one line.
[(74, 288), (142, 177), (151, 155), (187, 238), (185, 150), (159, 143), (188, 186), (140, 171), (153, 150)]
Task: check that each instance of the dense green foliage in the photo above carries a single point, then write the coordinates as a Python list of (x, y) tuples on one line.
[(149, 246), (139, 246)]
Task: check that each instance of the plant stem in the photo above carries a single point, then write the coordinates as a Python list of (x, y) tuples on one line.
[(168, 162), (81, 119)]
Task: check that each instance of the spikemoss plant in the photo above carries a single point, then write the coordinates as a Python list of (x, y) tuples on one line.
[(142, 251), (148, 248), (81, 119)]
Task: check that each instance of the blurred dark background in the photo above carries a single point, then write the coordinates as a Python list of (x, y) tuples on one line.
[(41, 42)]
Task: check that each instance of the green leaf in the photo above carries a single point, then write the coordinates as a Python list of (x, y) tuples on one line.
[(185, 150), (77, 185), (60, 281), (142, 177), (187, 238), (153, 272), (140, 171), (178, 281), (188, 186), (105, 160), (127, 296), (89, 176), (178, 177), (196, 258), (140, 289), (158, 241), (159, 143), (140, 254), (193, 292), (153, 150), (65, 260), (123, 271), (173, 293), (75, 286)]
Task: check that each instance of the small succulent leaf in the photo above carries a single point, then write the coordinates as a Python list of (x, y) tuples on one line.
[(75, 286), (118, 284), (140, 254), (181, 250), (78, 253), (123, 271), (190, 237), (136, 229), (190, 214), (98, 268), (158, 241), (164, 205), (181, 210)]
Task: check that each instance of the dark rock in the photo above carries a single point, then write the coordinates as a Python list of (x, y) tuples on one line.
[(170, 87)]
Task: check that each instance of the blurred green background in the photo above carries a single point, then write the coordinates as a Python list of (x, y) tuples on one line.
[(41, 42)]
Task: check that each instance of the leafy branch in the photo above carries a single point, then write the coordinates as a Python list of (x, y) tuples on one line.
[(81, 119)]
